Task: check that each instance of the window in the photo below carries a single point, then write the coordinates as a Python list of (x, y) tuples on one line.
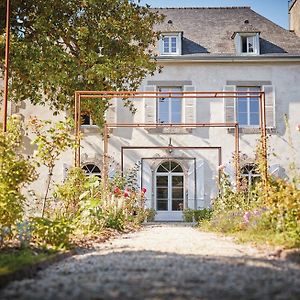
[(247, 109), (170, 44), (86, 119), (250, 174), (247, 43), (92, 170), (169, 110), (169, 187)]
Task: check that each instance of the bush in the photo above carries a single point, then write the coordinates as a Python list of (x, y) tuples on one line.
[(55, 232), (15, 173)]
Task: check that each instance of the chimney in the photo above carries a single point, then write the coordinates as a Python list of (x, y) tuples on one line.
[(294, 16)]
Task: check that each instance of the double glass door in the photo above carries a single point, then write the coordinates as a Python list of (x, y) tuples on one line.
[(169, 192)]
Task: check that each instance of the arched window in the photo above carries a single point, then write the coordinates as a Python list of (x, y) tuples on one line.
[(169, 166), (92, 170), (169, 187), (250, 173)]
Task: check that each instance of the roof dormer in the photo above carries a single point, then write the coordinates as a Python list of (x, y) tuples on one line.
[(246, 40), (170, 43)]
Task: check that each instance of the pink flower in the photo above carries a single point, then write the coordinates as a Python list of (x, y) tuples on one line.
[(126, 193), (144, 190), (246, 217), (221, 168), (117, 191)]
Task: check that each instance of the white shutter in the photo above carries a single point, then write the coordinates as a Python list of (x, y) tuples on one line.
[(270, 105), (230, 171), (191, 193), (229, 105), (111, 112), (150, 106), (189, 108), (238, 44), (66, 169), (200, 184), (256, 44), (277, 171)]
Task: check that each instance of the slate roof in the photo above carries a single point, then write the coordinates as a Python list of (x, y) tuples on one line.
[(209, 31)]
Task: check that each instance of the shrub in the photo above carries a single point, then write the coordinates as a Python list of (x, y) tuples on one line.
[(54, 232), (15, 173)]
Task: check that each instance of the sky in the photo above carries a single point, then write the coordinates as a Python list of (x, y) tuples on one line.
[(274, 10)]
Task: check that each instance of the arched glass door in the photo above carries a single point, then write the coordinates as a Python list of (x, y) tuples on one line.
[(169, 187)]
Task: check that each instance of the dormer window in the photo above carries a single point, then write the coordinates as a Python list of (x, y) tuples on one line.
[(170, 43), (247, 43)]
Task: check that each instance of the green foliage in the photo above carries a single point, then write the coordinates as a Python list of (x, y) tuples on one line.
[(150, 214), (11, 261), (197, 215), (271, 209), (202, 214), (55, 233), (51, 142), (60, 46), (15, 173)]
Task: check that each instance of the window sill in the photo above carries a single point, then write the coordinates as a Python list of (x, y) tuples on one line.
[(252, 130), (169, 130), (89, 129)]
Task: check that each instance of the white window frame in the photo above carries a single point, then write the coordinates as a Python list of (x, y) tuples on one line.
[(177, 36), (91, 122), (90, 172), (169, 89), (248, 125), (239, 44)]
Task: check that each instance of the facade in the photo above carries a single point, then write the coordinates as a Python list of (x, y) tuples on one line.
[(200, 49)]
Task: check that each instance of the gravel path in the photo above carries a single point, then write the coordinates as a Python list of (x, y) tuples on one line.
[(164, 261)]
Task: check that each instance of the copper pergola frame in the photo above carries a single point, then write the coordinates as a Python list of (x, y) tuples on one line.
[(100, 95)]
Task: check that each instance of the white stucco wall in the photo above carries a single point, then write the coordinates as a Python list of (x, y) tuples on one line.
[(205, 77)]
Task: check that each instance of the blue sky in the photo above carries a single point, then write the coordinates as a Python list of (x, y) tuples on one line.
[(275, 10)]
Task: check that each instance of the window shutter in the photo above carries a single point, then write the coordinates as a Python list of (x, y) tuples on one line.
[(161, 45), (150, 106), (179, 43), (256, 44), (189, 107), (238, 44), (229, 105), (66, 168), (200, 184), (111, 112), (191, 194), (270, 105)]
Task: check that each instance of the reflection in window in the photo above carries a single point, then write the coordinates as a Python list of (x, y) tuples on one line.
[(86, 119), (92, 170), (170, 44), (169, 109), (247, 112), (250, 174)]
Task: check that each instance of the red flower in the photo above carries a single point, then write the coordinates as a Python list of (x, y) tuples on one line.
[(117, 191), (144, 190), (126, 193)]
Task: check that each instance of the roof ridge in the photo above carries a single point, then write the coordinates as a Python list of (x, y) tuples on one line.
[(202, 7)]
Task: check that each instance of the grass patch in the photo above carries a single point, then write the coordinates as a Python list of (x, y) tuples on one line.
[(12, 260)]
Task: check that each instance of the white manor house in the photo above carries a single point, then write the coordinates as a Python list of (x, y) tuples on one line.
[(201, 49)]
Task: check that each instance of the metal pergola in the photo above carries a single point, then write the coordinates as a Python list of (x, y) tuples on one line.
[(153, 96)]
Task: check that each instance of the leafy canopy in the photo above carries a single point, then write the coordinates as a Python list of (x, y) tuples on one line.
[(59, 46)]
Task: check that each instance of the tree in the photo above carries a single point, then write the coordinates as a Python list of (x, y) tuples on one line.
[(59, 46)]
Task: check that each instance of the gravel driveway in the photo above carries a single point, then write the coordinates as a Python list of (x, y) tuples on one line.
[(164, 261)]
